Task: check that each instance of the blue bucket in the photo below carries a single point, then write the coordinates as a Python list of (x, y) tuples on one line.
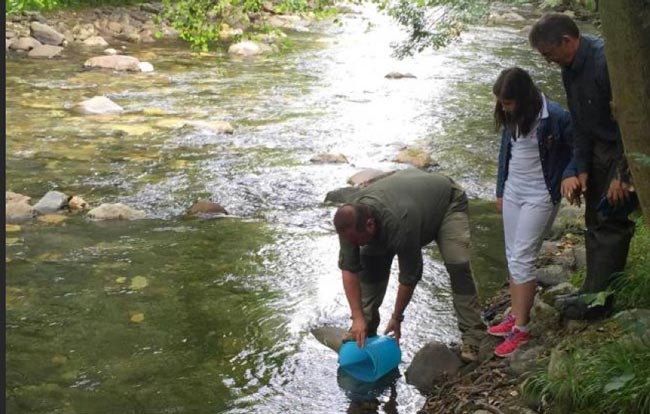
[(379, 356)]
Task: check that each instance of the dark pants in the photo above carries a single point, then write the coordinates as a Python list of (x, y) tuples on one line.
[(607, 239)]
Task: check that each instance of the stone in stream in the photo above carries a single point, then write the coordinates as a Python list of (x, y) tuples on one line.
[(329, 158), (431, 365), (97, 105), (25, 43), (45, 34), (206, 209), (114, 62), (399, 75), (117, 211), (95, 41), (45, 51), (51, 202), (18, 211), (330, 336)]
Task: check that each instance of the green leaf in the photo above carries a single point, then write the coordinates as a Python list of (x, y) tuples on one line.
[(617, 383)]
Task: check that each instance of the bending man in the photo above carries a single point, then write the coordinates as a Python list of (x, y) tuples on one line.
[(398, 215)]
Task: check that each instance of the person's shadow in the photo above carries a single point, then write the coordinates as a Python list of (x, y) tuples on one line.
[(364, 395)]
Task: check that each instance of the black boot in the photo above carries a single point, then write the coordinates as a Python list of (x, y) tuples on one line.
[(576, 306)]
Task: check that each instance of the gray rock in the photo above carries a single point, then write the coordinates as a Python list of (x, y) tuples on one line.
[(45, 34), (342, 195), (549, 295), (543, 318), (18, 212), (117, 211), (580, 256), (116, 62), (51, 202), (25, 43), (431, 365), (96, 106), (399, 75), (45, 51), (8, 44), (552, 275), (9, 34), (329, 336), (329, 158), (570, 219), (526, 360), (110, 51), (95, 41)]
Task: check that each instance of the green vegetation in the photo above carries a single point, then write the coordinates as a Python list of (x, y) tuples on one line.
[(17, 6), (608, 373)]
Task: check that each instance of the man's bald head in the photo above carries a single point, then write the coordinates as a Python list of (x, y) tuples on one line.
[(355, 223)]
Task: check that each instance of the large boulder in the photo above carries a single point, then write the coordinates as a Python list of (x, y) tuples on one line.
[(117, 211), (115, 62), (431, 365), (97, 105), (51, 202), (45, 34)]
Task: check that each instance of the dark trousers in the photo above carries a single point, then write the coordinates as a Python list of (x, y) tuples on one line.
[(607, 239)]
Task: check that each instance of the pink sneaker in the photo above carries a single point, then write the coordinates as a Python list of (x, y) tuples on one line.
[(512, 342), (504, 327)]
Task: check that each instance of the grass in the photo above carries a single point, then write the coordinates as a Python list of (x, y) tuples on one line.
[(607, 373)]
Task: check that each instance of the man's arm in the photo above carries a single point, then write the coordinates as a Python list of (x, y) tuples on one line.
[(352, 288), (404, 294)]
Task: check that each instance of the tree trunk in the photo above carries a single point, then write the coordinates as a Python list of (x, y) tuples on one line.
[(626, 28)]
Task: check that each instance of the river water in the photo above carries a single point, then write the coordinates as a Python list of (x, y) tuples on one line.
[(178, 315)]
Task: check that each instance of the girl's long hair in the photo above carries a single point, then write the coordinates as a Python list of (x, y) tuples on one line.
[(516, 84)]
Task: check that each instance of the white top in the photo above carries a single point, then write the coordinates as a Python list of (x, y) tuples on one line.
[(525, 181)]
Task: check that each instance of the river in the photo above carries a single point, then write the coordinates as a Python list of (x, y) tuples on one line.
[(179, 315)]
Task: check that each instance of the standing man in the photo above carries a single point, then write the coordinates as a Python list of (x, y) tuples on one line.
[(398, 215), (603, 175)]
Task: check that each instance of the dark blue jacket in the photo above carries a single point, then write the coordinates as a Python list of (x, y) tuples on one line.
[(555, 139)]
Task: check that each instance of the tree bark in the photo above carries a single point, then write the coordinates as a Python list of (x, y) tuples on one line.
[(626, 28)]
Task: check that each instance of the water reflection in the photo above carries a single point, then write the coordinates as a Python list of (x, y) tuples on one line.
[(370, 397)]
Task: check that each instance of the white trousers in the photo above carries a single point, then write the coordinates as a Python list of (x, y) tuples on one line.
[(525, 223)]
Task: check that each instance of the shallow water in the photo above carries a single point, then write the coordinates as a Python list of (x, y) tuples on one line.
[(172, 314)]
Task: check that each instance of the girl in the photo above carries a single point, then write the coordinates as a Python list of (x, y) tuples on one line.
[(536, 168)]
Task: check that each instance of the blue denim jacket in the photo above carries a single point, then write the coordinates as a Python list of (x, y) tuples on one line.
[(555, 139)]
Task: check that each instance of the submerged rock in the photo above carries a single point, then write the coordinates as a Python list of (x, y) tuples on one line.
[(329, 158), (117, 211), (399, 75), (77, 203), (97, 105), (11, 197)]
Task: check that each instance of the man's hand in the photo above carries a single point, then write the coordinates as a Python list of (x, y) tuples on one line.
[(583, 178), (570, 189), (395, 327), (618, 192), (358, 331), (499, 205)]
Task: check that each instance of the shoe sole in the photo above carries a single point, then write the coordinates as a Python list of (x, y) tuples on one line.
[(511, 352), (498, 334)]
